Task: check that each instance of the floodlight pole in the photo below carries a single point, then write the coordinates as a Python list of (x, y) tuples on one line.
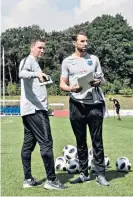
[(3, 58)]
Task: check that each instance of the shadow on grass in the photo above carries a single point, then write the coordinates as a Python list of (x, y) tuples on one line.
[(114, 174), (111, 174), (65, 177)]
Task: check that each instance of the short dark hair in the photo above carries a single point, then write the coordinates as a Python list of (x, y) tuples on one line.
[(33, 41), (74, 37)]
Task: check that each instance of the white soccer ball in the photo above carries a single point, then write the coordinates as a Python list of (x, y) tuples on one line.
[(73, 166), (123, 164), (106, 161), (90, 153), (90, 159), (70, 152), (91, 165), (60, 163)]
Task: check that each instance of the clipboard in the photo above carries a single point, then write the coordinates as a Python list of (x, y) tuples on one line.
[(85, 80)]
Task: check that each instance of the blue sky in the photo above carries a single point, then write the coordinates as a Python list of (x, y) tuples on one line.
[(60, 14), (67, 5)]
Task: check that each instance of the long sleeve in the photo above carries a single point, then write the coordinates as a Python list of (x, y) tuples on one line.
[(27, 74), (25, 70)]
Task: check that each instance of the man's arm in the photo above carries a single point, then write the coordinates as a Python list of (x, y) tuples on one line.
[(64, 86), (25, 71), (64, 82), (27, 74)]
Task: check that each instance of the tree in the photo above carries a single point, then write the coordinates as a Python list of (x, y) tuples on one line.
[(110, 38)]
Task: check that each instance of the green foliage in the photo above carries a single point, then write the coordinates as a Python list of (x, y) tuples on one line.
[(126, 83), (110, 38), (127, 92), (55, 90), (12, 89), (18, 90), (107, 88), (117, 86), (112, 88)]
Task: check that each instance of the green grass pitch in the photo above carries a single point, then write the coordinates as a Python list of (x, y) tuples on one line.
[(118, 141)]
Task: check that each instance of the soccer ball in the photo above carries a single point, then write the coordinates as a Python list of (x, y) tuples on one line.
[(60, 163), (90, 159), (70, 152), (90, 153), (91, 165), (73, 166), (106, 161), (123, 164)]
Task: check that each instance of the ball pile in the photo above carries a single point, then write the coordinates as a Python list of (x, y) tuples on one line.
[(70, 162)]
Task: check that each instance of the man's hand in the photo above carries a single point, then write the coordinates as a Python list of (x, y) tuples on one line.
[(95, 83), (42, 76), (75, 88)]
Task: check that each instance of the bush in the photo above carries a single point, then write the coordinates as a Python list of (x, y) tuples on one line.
[(112, 88), (117, 86), (54, 90), (127, 92), (12, 89), (18, 90), (126, 83), (108, 88)]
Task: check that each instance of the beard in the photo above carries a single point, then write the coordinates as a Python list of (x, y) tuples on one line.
[(82, 49)]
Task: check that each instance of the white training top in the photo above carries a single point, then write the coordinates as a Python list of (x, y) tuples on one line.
[(75, 67)]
